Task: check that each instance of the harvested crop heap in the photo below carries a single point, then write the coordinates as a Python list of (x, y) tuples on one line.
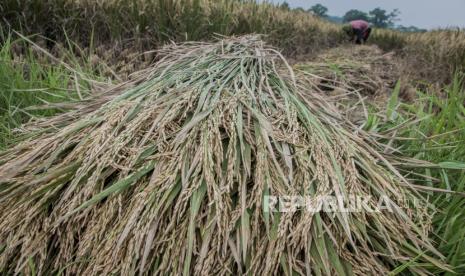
[(169, 175), (363, 68)]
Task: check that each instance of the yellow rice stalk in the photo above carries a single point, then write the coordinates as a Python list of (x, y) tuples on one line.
[(168, 174)]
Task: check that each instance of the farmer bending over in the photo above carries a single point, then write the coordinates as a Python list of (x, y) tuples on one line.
[(358, 30)]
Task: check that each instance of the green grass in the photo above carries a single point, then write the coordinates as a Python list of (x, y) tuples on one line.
[(438, 136), (30, 79)]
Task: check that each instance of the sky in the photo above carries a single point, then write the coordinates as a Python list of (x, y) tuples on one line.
[(426, 14)]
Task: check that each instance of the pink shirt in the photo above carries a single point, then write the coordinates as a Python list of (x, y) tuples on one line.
[(359, 24)]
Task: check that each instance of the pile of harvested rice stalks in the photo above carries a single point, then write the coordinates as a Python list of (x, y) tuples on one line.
[(364, 69), (170, 173)]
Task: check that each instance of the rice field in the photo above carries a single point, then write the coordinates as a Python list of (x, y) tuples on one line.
[(114, 160), (143, 25)]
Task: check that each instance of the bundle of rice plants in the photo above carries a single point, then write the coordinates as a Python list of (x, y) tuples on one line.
[(169, 174)]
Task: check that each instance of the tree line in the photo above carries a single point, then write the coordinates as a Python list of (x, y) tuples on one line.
[(378, 17)]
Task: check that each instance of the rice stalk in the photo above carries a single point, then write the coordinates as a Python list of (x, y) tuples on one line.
[(169, 173)]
